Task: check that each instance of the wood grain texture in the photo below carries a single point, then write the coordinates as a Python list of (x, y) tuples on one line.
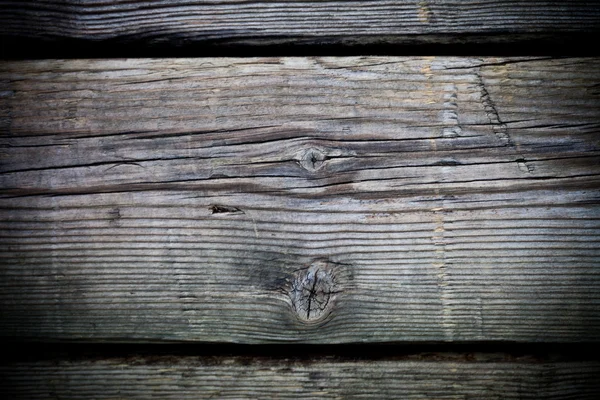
[(310, 22), (327, 378), (436, 199)]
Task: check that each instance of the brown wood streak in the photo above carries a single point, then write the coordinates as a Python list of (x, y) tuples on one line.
[(175, 199), (264, 378), (308, 22)]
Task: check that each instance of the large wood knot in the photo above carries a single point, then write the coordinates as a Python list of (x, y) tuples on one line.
[(313, 292), (313, 159)]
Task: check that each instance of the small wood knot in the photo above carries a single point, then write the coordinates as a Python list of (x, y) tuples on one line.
[(313, 292), (312, 159)]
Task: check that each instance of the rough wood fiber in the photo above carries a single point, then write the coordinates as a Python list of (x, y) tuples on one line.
[(328, 378), (308, 22), (436, 199)]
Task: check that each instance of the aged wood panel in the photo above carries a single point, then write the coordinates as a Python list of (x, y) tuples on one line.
[(300, 199), (440, 377), (180, 22)]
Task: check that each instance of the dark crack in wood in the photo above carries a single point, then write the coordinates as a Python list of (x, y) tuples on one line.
[(221, 209)]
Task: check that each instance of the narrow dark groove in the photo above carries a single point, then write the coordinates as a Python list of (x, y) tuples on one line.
[(434, 351), (501, 44)]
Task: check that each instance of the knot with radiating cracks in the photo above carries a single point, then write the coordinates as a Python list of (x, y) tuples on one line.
[(313, 292), (313, 159)]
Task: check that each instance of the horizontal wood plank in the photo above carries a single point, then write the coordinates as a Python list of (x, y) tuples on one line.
[(312, 200), (227, 22), (439, 377)]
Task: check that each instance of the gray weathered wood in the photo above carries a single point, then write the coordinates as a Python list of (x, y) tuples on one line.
[(441, 377), (181, 22), (406, 199)]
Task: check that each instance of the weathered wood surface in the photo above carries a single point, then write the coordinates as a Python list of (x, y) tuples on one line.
[(300, 200), (438, 377), (178, 22)]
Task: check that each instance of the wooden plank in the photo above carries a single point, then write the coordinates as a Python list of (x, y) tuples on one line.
[(416, 377), (311, 200), (228, 22)]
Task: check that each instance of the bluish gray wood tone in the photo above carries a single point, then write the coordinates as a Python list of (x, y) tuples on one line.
[(440, 377), (178, 22), (300, 200)]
